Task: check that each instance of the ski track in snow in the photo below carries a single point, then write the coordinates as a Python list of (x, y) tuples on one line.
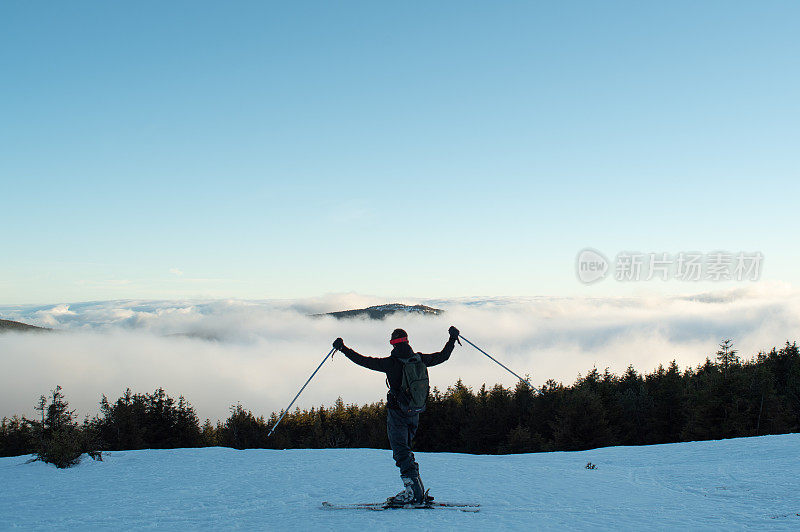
[(738, 483)]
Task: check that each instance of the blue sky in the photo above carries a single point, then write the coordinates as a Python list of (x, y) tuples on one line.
[(260, 150)]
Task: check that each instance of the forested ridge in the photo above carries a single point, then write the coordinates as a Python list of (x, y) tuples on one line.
[(724, 397)]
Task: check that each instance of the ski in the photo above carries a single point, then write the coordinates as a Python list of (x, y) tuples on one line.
[(381, 506)]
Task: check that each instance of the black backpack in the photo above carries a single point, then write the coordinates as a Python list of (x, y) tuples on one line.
[(415, 386)]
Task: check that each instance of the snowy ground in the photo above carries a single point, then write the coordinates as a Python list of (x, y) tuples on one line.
[(748, 482)]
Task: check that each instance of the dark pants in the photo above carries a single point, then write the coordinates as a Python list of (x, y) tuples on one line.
[(401, 429)]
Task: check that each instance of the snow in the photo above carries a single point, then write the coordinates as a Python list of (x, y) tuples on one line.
[(738, 483)]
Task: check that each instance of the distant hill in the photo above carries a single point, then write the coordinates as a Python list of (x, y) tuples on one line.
[(16, 326), (379, 312)]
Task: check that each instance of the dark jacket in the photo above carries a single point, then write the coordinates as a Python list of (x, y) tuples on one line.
[(393, 366)]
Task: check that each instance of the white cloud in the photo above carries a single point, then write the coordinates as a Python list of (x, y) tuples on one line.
[(53, 316), (175, 271), (263, 351)]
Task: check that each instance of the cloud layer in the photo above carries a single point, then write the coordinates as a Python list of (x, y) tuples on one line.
[(259, 353)]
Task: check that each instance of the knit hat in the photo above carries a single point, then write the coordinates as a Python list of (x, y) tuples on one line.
[(398, 336)]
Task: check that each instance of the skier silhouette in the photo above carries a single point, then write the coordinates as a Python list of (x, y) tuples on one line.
[(407, 377)]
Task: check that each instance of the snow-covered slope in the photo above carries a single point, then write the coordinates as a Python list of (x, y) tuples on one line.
[(748, 482)]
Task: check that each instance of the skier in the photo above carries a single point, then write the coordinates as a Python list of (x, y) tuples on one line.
[(407, 378)]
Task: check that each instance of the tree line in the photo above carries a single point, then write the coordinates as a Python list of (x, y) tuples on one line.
[(723, 397)]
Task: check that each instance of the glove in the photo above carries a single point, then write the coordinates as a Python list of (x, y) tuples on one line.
[(338, 344), (453, 332)]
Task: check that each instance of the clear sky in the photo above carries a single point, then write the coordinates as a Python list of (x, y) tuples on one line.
[(254, 149)]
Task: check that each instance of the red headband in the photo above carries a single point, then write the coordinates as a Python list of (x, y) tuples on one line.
[(399, 340)]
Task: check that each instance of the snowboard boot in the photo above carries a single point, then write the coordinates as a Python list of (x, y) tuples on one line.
[(413, 493), (404, 497)]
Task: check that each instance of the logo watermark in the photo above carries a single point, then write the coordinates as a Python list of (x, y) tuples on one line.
[(592, 266)]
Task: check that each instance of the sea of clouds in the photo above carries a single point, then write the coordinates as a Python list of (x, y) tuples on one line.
[(220, 352)]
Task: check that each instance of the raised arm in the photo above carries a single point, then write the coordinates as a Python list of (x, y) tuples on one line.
[(433, 359), (373, 363)]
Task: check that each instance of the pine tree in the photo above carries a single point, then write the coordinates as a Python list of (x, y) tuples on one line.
[(15, 437), (581, 422), (727, 356), (59, 440)]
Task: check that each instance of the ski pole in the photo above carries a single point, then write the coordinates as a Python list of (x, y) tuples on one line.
[(498, 362), (301, 391)]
